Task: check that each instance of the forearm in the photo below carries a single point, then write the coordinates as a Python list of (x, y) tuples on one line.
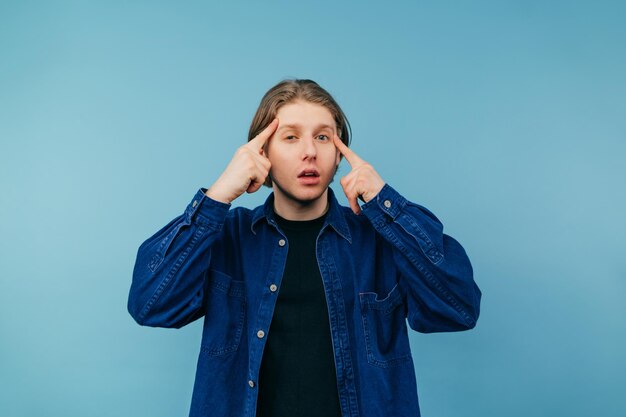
[(167, 289), (435, 269)]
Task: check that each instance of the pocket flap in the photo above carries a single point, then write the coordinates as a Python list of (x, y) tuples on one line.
[(224, 283), (370, 300)]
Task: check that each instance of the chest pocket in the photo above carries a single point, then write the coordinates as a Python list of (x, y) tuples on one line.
[(225, 314), (384, 326)]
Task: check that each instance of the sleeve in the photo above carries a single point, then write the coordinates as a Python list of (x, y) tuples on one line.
[(434, 269), (169, 277)]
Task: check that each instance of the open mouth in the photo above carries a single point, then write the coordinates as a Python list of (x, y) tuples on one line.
[(309, 173), (309, 177)]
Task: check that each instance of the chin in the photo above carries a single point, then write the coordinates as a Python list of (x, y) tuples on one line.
[(308, 195)]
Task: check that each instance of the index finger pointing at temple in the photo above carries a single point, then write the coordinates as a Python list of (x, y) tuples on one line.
[(351, 157), (259, 140)]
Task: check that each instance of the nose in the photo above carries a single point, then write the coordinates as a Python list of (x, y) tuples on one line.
[(309, 150)]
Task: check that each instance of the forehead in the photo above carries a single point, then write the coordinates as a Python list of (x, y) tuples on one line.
[(304, 114)]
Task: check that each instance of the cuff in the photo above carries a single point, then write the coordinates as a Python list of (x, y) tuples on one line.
[(388, 202), (205, 210)]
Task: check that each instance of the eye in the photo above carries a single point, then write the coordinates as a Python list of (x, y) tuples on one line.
[(290, 137), (323, 137)]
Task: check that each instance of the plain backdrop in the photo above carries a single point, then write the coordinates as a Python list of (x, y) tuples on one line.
[(507, 119)]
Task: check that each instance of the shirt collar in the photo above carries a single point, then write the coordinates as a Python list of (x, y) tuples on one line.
[(335, 217)]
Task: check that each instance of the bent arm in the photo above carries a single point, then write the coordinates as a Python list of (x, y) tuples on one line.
[(435, 271), (169, 277)]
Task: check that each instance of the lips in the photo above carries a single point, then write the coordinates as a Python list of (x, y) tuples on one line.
[(309, 173), (309, 177)]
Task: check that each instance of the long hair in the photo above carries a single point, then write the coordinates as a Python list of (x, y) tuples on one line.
[(288, 91)]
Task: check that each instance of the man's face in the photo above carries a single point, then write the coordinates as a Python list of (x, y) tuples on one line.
[(303, 156)]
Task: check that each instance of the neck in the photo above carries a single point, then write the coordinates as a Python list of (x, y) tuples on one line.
[(298, 210)]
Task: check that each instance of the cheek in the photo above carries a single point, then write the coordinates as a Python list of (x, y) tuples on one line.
[(332, 157), (273, 154), (280, 162)]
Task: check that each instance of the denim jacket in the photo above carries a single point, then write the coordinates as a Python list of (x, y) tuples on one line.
[(381, 269)]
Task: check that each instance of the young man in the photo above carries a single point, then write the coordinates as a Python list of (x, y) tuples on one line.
[(305, 302)]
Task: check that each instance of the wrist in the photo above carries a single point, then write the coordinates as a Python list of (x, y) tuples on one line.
[(215, 194)]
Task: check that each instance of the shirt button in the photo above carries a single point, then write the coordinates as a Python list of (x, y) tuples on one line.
[(281, 242), (273, 288), (387, 203), (260, 334), (195, 203), (251, 383)]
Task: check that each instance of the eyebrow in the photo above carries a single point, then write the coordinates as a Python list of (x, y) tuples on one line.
[(297, 126)]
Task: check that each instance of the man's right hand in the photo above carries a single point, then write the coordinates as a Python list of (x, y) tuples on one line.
[(246, 171)]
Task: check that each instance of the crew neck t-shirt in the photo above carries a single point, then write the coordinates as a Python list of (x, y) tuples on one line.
[(298, 376)]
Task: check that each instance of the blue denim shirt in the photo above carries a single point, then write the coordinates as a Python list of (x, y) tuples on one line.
[(386, 267)]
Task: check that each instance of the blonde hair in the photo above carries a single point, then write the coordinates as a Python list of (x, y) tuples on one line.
[(290, 90)]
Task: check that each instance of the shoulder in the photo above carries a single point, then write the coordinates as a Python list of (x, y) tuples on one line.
[(359, 226), (242, 219), (243, 214)]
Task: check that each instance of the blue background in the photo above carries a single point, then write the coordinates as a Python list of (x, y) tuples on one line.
[(506, 119)]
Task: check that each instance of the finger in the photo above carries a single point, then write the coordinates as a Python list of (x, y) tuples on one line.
[(264, 162), (263, 165), (259, 140), (354, 205), (258, 170), (349, 154), (257, 181), (347, 183), (254, 187)]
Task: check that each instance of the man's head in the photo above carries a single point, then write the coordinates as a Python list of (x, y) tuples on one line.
[(298, 91)]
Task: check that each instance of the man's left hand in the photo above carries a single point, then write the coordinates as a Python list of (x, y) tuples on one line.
[(362, 182)]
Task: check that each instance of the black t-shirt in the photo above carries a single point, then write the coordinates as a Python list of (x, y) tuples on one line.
[(297, 376)]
